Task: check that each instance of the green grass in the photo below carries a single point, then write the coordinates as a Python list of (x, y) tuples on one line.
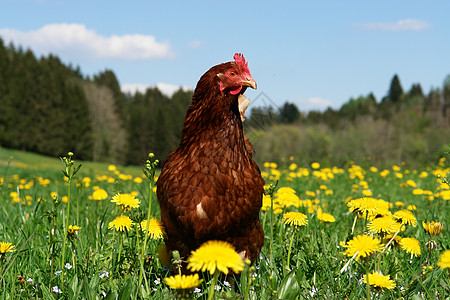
[(106, 263), (23, 161)]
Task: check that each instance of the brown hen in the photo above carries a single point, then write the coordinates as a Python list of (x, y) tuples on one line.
[(209, 187)]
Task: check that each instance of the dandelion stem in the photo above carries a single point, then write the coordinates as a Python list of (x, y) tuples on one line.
[(354, 224), (66, 224), (213, 285), (390, 241), (350, 260), (149, 171), (289, 250)]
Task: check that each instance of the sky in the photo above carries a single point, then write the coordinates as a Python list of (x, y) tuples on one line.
[(315, 54)]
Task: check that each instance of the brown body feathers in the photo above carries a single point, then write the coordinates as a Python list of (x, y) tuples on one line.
[(209, 187)]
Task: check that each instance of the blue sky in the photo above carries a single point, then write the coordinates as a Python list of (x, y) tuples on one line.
[(312, 53)]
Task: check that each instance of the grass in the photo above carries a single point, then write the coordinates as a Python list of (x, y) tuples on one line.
[(297, 262)]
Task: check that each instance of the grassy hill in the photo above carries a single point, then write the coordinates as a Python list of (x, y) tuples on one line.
[(20, 161)]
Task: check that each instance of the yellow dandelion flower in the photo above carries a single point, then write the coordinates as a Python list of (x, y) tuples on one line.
[(423, 174), (183, 282), (112, 168), (367, 205), (444, 260), (411, 183), (215, 255), (295, 218), (386, 224), (315, 165), (6, 247), (373, 169), (326, 217), (72, 229), (155, 228), (293, 166), (126, 201), (406, 217), (410, 245), (362, 245), (138, 179), (121, 223), (99, 194), (417, 192), (399, 204), (379, 280), (432, 228), (411, 207), (384, 173)]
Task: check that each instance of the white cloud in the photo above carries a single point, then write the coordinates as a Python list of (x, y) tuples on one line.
[(401, 25), (313, 103), (77, 41), (165, 88)]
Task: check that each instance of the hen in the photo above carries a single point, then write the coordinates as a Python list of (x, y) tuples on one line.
[(209, 187)]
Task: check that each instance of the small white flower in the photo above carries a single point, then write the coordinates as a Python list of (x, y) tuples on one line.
[(227, 284), (197, 290), (217, 287), (56, 290), (30, 280), (157, 281), (68, 266), (58, 272), (103, 274)]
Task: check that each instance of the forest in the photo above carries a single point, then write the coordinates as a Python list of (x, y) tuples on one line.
[(51, 108)]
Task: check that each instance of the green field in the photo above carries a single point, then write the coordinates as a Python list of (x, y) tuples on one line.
[(317, 259)]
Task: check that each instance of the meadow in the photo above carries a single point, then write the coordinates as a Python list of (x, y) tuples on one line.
[(331, 232)]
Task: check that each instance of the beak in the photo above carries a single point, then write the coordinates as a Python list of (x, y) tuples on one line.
[(250, 82)]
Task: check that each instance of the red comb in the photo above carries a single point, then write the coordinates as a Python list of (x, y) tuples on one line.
[(240, 61)]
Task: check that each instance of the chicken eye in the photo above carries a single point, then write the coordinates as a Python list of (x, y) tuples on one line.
[(232, 73)]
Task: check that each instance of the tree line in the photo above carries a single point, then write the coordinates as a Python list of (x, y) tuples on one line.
[(404, 126), (51, 108)]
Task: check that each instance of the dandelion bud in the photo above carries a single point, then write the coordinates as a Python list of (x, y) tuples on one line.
[(248, 262), (70, 154), (176, 255), (151, 155)]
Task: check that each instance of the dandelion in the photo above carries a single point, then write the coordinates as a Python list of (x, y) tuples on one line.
[(410, 245), (121, 223), (295, 218), (183, 281), (362, 245), (417, 192), (6, 247), (379, 280), (214, 255), (444, 260), (72, 229), (406, 217), (326, 217), (126, 201), (432, 228), (99, 194), (383, 225), (367, 205), (155, 228)]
